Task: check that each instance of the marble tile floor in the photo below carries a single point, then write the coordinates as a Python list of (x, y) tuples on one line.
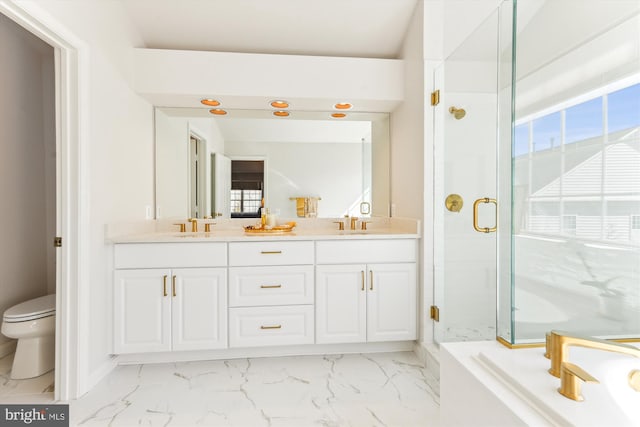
[(381, 389), (32, 390)]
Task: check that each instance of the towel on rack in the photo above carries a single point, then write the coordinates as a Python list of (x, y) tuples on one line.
[(300, 206), (312, 207)]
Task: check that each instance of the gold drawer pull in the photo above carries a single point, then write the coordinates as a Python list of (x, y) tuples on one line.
[(362, 273), (173, 285), (271, 327), (164, 285), (270, 286), (270, 252), (370, 280)]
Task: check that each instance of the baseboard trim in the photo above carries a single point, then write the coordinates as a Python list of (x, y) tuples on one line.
[(98, 374), (241, 353), (429, 355)]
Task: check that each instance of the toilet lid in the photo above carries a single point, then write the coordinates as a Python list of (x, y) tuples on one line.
[(36, 308)]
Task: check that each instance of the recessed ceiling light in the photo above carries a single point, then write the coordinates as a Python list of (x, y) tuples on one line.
[(339, 115), (343, 106), (218, 111), (210, 102), (279, 104), (281, 113)]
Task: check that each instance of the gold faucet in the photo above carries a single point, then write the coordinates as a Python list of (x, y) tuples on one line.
[(354, 219), (194, 224), (558, 343), (571, 376)]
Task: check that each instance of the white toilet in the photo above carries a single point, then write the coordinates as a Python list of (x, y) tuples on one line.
[(33, 324)]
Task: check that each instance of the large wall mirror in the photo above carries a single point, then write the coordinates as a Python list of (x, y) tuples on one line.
[(224, 166)]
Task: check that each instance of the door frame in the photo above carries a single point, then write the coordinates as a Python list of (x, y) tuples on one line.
[(72, 69)]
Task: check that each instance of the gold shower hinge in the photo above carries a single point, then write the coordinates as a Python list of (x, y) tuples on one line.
[(435, 97), (435, 313)]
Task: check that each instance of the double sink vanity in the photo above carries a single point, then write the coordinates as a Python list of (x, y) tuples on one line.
[(299, 291)]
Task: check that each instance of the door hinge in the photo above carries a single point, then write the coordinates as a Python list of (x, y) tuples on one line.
[(435, 313), (435, 97), (57, 242)]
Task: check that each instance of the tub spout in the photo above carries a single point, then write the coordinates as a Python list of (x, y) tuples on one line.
[(558, 343)]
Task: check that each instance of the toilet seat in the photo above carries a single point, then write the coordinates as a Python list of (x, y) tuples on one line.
[(37, 308)]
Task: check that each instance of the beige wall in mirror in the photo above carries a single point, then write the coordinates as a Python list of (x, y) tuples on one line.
[(343, 162)]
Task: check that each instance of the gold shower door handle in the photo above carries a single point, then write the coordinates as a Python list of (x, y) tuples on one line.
[(475, 215)]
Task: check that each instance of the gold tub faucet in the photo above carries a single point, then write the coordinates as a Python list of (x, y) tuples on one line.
[(572, 376), (558, 343)]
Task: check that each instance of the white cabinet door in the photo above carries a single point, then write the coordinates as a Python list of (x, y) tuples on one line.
[(142, 308), (341, 303), (391, 302), (199, 308)]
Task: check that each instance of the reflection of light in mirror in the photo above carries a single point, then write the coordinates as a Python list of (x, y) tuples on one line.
[(210, 102), (279, 104), (342, 106), (338, 115), (218, 112), (285, 178), (281, 113)]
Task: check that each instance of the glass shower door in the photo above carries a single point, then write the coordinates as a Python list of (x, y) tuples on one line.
[(465, 213)]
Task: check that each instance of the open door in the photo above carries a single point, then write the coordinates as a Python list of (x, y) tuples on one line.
[(221, 185)]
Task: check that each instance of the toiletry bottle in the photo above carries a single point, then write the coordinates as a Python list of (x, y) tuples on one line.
[(263, 216), (271, 219)]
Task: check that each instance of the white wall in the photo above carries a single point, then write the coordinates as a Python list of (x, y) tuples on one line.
[(27, 173), (407, 128), (120, 148), (172, 161), (307, 170), (408, 141), (243, 80)]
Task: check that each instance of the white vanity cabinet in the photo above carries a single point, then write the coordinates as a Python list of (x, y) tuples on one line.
[(181, 307), (366, 291), (271, 293)]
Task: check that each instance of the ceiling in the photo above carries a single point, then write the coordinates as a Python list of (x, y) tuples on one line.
[(349, 28)]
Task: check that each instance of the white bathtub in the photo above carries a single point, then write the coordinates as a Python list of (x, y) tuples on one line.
[(487, 384)]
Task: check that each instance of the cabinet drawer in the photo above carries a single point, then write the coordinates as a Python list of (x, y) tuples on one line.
[(366, 251), (268, 326), (170, 255), (270, 253), (260, 286)]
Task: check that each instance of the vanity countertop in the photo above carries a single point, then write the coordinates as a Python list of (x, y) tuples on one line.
[(241, 236), (159, 231)]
